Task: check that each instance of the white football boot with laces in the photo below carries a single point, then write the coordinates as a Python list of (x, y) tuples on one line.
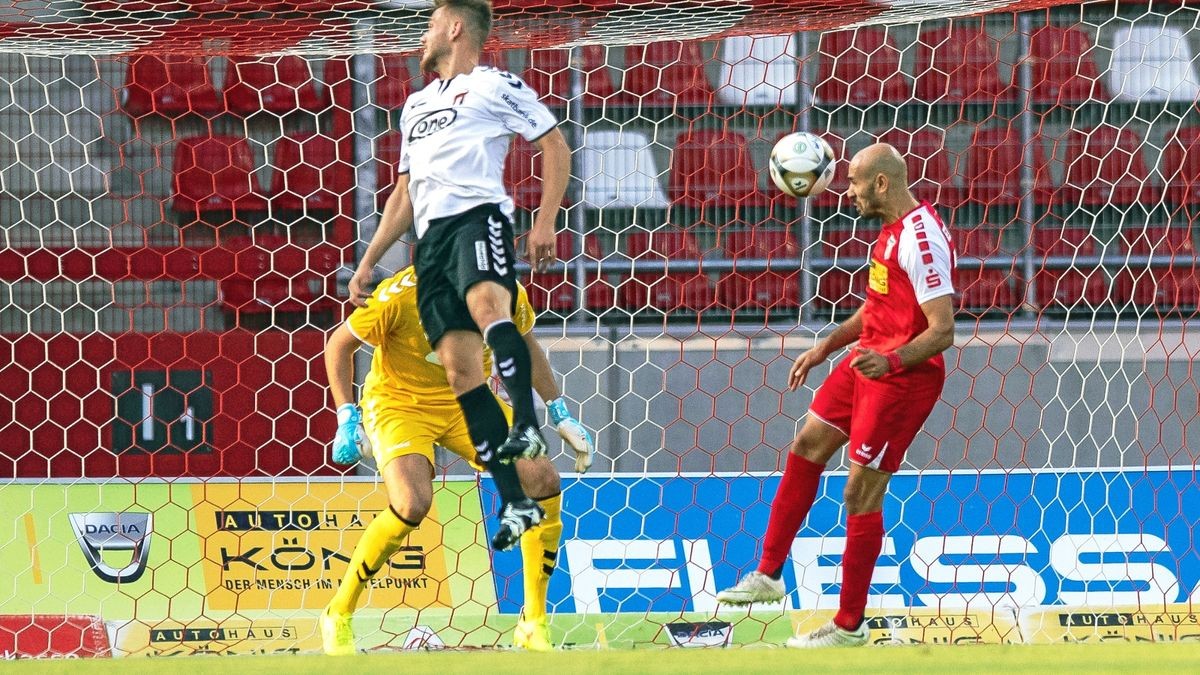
[(754, 587)]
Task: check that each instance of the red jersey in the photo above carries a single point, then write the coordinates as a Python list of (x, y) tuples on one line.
[(912, 263)]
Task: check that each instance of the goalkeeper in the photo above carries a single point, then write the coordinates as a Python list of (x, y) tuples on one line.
[(407, 407)]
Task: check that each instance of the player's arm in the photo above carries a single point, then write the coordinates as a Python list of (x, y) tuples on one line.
[(397, 219), (556, 171), (934, 340), (570, 429), (339, 367), (846, 332)]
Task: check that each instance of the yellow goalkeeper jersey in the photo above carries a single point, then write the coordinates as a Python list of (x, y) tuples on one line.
[(404, 367)]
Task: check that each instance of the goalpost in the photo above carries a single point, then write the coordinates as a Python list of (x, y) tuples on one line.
[(186, 186)]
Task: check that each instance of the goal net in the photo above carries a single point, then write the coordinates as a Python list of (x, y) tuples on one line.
[(185, 187)]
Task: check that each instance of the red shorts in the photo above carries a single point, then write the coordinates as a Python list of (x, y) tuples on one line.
[(882, 416)]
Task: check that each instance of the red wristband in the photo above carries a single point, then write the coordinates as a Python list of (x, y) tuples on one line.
[(894, 363)]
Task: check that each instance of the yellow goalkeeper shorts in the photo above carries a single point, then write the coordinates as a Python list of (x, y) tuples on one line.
[(399, 428)]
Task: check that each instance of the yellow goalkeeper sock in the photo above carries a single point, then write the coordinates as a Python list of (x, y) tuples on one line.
[(539, 551), (383, 536)]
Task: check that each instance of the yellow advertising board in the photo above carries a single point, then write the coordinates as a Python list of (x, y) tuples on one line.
[(1165, 623), (924, 626)]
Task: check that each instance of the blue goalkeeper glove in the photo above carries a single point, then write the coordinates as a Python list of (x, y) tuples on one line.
[(350, 444), (574, 433)]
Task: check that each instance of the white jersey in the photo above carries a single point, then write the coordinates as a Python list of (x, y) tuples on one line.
[(456, 136)]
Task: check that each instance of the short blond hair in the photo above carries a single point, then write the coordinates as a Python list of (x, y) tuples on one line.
[(477, 14)]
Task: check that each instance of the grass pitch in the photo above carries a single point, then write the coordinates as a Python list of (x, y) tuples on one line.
[(1123, 657)]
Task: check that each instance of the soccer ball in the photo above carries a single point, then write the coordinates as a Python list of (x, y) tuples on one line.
[(802, 164)]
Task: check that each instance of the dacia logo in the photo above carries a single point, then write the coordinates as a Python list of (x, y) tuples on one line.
[(431, 122), (126, 531)]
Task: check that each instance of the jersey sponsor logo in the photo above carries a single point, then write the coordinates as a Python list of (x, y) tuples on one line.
[(878, 277), (432, 122), (481, 256), (932, 279), (516, 107)]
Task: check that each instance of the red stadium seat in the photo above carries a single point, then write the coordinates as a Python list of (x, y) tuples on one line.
[(392, 83), (273, 275), (1181, 166), (215, 173), (278, 85), (929, 167), (1105, 167), (985, 290), (1171, 290), (387, 157), (308, 175), (844, 244), (522, 175), (860, 67), (692, 291), (711, 167), (1075, 288), (1174, 240), (980, 242), (841, 289), (556, 291), (170, 86), (665, 74), (549, 73), (760, 290), (959, 63), (1064, 241), (1064, 71), (993, 167)]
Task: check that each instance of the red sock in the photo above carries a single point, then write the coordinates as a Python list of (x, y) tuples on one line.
[(797, 491), (864, 539)]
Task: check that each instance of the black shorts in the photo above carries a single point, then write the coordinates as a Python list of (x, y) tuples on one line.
[(456, 253)]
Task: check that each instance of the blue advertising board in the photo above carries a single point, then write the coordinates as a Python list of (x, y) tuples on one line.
[(977, 540)]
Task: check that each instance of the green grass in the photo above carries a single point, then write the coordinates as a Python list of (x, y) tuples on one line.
[(1110, 657)]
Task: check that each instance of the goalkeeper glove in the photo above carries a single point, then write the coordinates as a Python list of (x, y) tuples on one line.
[(574, 433), (350, 443)]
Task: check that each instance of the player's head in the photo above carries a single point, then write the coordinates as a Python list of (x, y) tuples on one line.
[(462, 23), (878, 179)]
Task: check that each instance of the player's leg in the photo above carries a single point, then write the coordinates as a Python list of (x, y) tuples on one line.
[(403, 444), (886, 419), (825, 430), (539, 551), (486, 278)]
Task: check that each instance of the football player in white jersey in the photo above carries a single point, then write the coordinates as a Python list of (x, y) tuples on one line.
[(456, 134)]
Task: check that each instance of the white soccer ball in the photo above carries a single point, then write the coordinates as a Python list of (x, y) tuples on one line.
[(802, 164)]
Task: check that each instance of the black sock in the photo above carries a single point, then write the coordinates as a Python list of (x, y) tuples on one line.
[(777, 574), (488, 430), (515, 368)]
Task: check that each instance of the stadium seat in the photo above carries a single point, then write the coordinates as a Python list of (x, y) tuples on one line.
[(673, 291), (1170, 290), (959, 63), (1105, 167), (929, 167), (994, 167), (392, 82), (1078, 288), (278, 85), (981, 290), (713, 168), (1159, 240), (842, 289), (860, 67), (759, 70), (308, 176), (1064, 241), (979, 242), (1064, 71), (549, 73), (556, 291), (760, 290), (522, 175), (273, 275), (665, 75), (618, 170), (170, 86), (842, 243), (387, 158), (215, 173), (1181, 166), (1152, 63)]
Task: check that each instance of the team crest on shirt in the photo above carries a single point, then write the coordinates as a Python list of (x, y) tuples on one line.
[(878, 277)]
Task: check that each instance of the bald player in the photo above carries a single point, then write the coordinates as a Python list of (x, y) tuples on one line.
[(876, 398)]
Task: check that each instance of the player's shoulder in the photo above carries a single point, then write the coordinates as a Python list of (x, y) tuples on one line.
[(400, 287), (497, 78)]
